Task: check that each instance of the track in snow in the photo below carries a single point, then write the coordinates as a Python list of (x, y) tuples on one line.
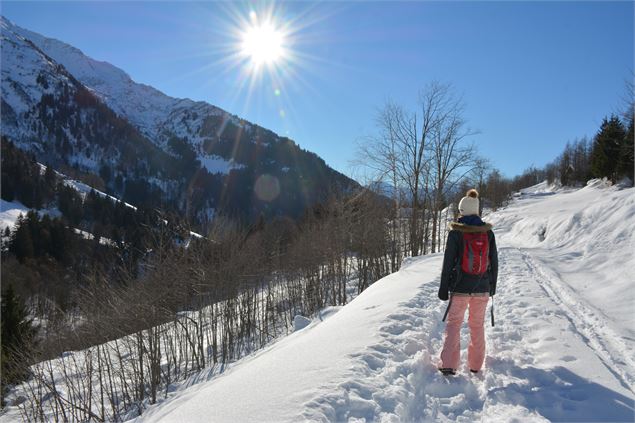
[(589, 325), (528, 375)]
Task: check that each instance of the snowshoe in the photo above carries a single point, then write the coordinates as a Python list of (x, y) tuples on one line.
[(447, 371)]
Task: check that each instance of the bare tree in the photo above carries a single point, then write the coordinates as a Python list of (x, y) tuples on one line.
[(381, 154), (478, 177), (398, 154), (422, 153), (452, 159), (497, 188)]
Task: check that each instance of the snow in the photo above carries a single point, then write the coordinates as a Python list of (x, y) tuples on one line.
[(11, 210), (21, 66), (217, 164), (195, 235), (300, 322), (84, 189), (9, 213), (584, 238), (89, 236), (561, 350)]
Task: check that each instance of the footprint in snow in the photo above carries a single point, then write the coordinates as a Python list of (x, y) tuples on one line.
[(399, 317), (413, 347), (395, 329), (382, 349), (574, 395)]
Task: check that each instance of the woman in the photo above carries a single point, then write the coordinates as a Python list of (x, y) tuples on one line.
[(468, 279)]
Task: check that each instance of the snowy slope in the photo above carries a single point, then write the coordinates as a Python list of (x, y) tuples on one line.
[(23, 68), (561, 350), (155, 114), (145, 106), (9, 213), (581, 235), (28, 59), (11, 210)]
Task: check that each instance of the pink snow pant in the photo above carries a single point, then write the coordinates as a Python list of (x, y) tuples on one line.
[(451, 354)]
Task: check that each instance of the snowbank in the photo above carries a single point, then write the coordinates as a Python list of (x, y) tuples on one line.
[(587, 236)]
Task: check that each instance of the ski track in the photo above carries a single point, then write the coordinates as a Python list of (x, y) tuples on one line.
[(587, 323), (396, 379)]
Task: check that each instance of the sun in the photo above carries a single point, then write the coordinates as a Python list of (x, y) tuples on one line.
[(263, 43), (263, 54)]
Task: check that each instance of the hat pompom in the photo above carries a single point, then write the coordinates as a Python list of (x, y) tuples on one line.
[(472, 193), (469, 205)]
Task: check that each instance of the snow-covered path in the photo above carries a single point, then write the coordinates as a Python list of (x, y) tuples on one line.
[(545, 355), (589, 324), (542, 363)]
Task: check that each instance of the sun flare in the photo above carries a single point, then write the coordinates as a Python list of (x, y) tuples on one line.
[(263, 54), (263, 44)]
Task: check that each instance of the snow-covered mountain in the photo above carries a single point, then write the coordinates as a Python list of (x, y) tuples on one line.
[(47, 111), (151, 111), (144, 106), (72, 110), (27, 75), (155, 114), (562, 349)]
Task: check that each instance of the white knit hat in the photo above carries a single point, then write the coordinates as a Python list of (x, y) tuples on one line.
[(469, 204)]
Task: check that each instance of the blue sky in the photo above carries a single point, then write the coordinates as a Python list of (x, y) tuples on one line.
[(533, 75)]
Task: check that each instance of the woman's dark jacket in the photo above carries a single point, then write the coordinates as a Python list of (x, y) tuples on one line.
[(452, 278)]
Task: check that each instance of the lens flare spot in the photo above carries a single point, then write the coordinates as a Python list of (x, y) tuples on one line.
[(276, 92), (267, 187), (282, 113)]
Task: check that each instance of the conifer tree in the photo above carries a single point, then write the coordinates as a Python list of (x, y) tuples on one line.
[(626, 165), (17, 336), (50, 182), (21, 243), (607, 146)]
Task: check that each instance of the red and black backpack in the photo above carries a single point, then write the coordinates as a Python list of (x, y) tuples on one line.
[(475, 259)]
